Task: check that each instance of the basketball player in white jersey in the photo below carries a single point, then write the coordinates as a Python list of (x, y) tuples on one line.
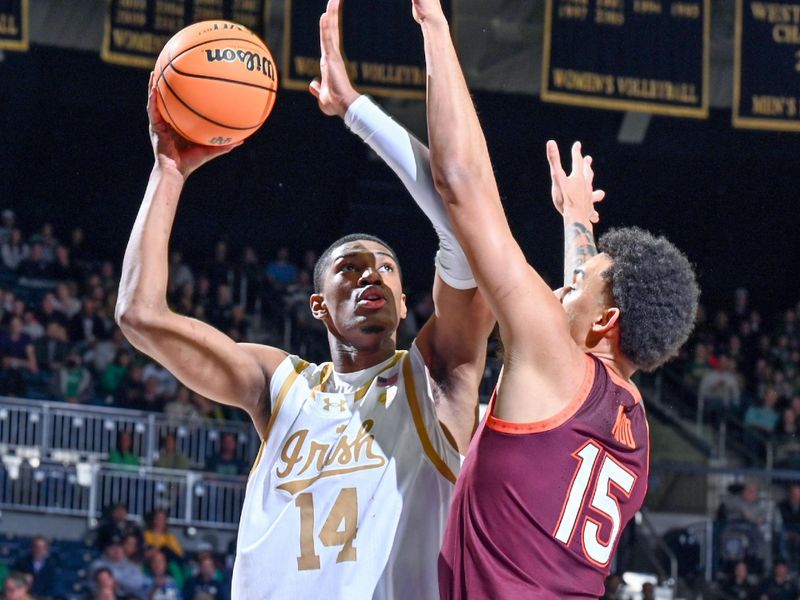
[(350, 492)]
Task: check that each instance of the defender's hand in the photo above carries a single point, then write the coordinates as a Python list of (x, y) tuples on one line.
[(171, 149), (334, 92), (573, 193)]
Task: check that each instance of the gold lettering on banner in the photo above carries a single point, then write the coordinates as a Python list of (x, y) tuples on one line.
[(170, 8), (392, 74), (583, 81), (785, 19), (685, 10), (647, 7), (139, 41), (326, 460), (654, 89), (133, 4), (8, 25), (774, 106), (130, 17), (306, 66)]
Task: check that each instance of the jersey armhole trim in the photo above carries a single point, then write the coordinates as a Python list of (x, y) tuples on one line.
[(419, 423), (299, 367), (556, 420)]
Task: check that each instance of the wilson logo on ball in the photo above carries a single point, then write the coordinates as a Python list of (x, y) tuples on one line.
[(251, 60)]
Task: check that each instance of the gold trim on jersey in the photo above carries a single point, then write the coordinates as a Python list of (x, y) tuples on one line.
[(419, 424), (287, 384)]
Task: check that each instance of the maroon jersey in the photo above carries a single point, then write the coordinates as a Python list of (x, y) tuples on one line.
[(539, 507)]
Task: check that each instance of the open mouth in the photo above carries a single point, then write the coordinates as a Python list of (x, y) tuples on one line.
[(372, 298)]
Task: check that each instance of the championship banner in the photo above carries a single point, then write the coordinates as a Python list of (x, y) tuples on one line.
[(381, 43), (766, 70), (136, 30), (14, 31), (640, 55)]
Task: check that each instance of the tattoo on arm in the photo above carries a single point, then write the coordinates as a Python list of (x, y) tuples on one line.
[(579, 247)]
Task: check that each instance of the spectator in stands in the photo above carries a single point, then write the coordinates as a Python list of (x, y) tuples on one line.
[(749, 517), (789, 540), (105, 586), (123, 453), (248, 280), (763, 418), (164, 586), (118, 526), (88, 326), (166, 383), (31, 325), (66, 302), (219, 312), (719, 390), (132, 546), (158, 537), (226, 461), (169, 457), (47, 240), (73, 381), (778, 586), (14, 251), (737, 585), (209, 580), (239, 327), (181, 406), (180, 274), (52, 348), (218, 270), (207, 409), (19, 358), (281, 271), (63, 268), (77, 246), (8, 220), (43, 566), (131, 580), (131, 391), (648, 591), (35, 268), (151, 399), (114, 374), (16, 587)]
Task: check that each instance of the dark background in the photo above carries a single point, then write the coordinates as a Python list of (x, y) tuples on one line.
[(75, 150)]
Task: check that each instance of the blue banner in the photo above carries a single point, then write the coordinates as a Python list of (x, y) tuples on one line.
[(137, 30), (381, 43), (640, 55), (766, 71), (14, 34)]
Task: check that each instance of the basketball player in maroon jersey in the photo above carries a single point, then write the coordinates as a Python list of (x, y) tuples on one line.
[(560, 464)]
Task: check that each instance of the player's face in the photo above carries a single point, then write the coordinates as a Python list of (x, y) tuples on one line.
[(587, 298), (362, 297)]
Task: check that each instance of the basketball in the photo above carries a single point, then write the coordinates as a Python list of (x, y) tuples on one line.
[(216, 82)]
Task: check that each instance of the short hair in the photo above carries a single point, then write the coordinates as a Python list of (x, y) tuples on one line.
[(19, 579), (655, 288), (324, 261)]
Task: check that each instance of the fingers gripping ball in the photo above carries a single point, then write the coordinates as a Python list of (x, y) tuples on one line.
[(216, 82)]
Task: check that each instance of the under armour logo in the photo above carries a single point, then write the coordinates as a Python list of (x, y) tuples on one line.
[(340, 403)]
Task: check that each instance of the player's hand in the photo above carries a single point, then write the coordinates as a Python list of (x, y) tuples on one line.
[(171, 149), (573, 193), (334, 92), (427, 10)]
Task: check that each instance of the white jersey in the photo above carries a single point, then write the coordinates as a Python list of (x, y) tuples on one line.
[(350, 493)]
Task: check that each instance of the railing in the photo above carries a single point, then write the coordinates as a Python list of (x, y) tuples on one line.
[(86, 490), (61, 430)]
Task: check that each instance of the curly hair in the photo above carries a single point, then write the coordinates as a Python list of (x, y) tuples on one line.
[(655, 288), (324, 261)]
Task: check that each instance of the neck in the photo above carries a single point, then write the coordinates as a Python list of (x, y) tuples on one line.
[(613, 357), (347, 358)]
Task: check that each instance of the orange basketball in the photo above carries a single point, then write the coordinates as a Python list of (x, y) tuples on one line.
[(216, 82)]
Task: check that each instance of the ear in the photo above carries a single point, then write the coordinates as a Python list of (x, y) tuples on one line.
[(318, 307), (403, 307), (606, 322)]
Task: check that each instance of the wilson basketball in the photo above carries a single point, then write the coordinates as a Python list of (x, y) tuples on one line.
[(216, 82)]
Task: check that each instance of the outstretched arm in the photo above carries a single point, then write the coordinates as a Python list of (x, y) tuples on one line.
[(544, 368), (453, 342), (579, 218), (203, 358)]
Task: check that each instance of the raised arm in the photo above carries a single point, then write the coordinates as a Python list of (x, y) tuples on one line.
[(453, 341), (540, 356), (579, 218), (201, 357)]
